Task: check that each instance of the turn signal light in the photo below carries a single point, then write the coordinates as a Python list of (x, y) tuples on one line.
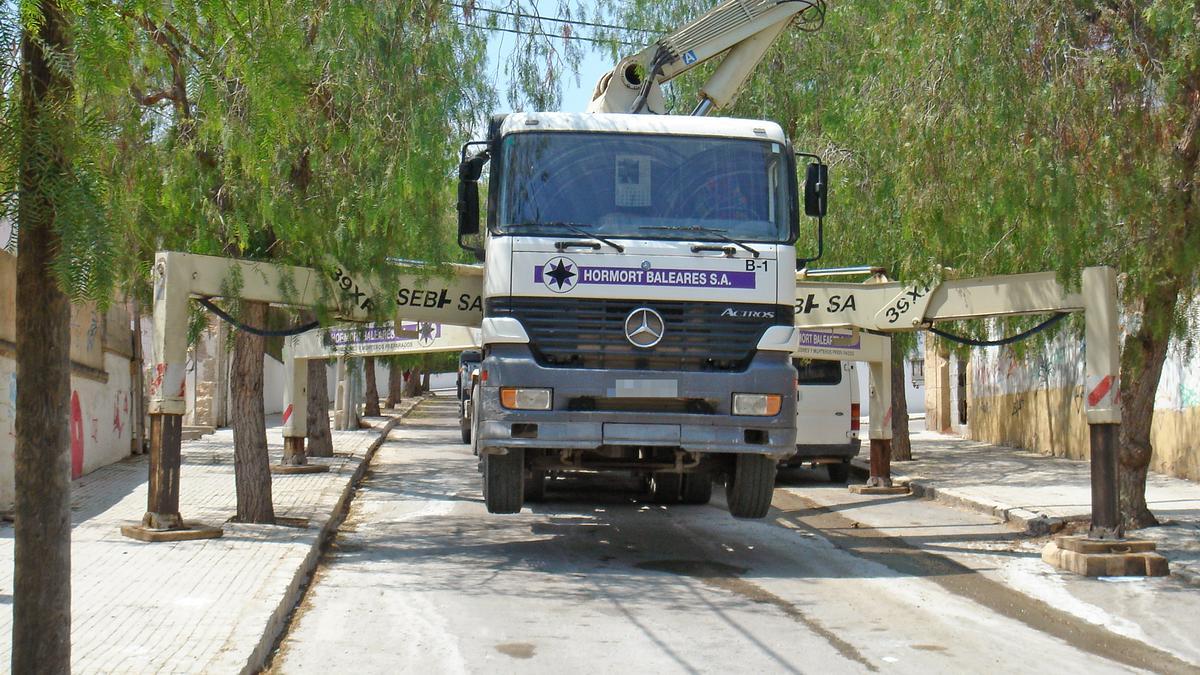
[(518, 398), (855, 417), (758, 405)]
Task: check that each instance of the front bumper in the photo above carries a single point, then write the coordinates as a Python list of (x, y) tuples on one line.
[(561, 429)]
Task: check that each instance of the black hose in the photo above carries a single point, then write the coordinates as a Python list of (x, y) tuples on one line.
[(261, 332), (970, 342)]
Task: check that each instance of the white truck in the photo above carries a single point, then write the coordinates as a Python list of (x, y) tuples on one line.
[(639, 280)]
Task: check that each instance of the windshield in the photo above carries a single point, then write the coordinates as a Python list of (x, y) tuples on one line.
[(645, 186)]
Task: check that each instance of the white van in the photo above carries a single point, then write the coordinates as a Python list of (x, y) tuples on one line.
[(827, 416)]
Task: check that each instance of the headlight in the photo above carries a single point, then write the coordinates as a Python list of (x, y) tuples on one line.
[(758, 405), (517, 398)]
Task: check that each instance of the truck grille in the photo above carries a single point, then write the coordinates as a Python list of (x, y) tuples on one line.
[(699, 336)]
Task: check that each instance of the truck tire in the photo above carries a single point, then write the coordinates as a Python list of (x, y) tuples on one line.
[(464, 428), (504, 481), (697, 488), (750, 487), (665, 487), (839, 473), (535, 486)]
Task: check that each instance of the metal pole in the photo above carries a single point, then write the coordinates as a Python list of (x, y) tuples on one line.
[(162, 508), (1106, 514)]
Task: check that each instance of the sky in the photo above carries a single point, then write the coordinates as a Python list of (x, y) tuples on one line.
[(576, 96)]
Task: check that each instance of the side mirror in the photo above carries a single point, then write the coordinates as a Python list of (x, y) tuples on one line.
[(816, 190), (469, 171), (468, 208)]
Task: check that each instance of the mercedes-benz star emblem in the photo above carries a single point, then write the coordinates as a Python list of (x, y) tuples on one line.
[(644, 327)]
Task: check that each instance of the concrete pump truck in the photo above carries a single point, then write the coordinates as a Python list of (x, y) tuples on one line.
[(639, 278)]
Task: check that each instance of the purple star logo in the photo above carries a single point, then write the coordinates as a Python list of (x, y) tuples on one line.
[(559, 275)]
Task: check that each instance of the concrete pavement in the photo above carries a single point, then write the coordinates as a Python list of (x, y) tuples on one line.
[(1042, 494), (595, 579), (212, 606)]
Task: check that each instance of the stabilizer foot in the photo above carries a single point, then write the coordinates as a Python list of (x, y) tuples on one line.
[(1105, 557)]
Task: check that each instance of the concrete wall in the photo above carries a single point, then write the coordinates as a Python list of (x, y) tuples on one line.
[(1035, 401), (99, 420)]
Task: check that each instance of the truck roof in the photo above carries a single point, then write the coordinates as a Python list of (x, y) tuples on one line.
[(685, 125)]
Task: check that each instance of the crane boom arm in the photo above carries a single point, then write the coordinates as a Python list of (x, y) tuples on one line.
[(742, 30)]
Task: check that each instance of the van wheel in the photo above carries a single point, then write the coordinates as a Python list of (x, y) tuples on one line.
[(750, 488), (504, 481), (697, 488), (535, 486), (664, 487), (464, 428), (839, 473)]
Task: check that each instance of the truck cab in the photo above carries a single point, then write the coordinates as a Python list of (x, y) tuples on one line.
[(639, 278)]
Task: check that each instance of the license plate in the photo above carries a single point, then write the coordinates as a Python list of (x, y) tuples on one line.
[(645, 389)]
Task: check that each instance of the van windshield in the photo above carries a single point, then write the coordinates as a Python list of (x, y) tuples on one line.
[(818, 372), (645, 186)]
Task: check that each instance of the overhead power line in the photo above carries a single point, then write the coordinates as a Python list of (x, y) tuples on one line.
[(553, 19), (580, 38)]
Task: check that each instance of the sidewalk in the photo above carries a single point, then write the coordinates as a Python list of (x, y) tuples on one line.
[(214, 605), (1040, 494)]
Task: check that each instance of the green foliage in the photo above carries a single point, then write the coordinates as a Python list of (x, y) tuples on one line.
[(992, 137), (303, 132)]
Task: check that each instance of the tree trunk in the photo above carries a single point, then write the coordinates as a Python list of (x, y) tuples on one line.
[(320, 441), (251, 464), (395, 385), (413, 383), (425, 382), (372, 395), (1142, 361), (901, 443), (41, 632)]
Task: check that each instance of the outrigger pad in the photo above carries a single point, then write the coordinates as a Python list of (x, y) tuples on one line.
[(1105, 557), (187, 532), (879, 490)]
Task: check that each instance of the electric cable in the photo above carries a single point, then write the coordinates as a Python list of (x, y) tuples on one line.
[(578, 38), (971, 342), (261, 332), (554, 19)]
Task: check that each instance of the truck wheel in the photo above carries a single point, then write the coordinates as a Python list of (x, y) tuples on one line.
[(464, 428), (697, 488), (504, 481), (749, 489), (839, 473), (664, 487), (535, 486)]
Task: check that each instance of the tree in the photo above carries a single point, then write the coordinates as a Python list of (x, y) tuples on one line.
[(252, 467), (992, 138), (372, 393), (41, 639), (395, 383), (901, 440), (317, 134), (320, 440)]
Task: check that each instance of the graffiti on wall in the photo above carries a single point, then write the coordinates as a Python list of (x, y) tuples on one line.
[(998, 371), (76, 436)]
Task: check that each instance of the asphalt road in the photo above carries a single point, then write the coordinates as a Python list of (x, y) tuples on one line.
[(597, 580)]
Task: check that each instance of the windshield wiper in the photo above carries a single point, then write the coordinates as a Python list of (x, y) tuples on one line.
[(705, 230), (577, 230)]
